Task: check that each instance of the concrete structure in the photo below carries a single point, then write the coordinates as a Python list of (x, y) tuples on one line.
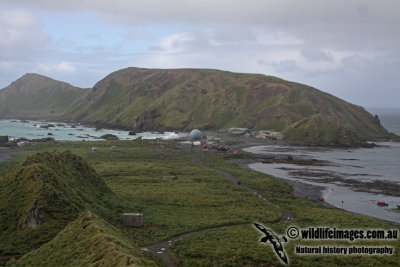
[(270, 134), (275, 135), (186, 143), (238, 131), (214, 139), (132, 219), (261, 135), (94, 149)]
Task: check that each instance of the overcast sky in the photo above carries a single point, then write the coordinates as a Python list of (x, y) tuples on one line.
[(350, 49)]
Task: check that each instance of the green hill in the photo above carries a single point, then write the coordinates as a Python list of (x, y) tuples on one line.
[(148, 99), (35, 96), (87, 241), (183, 99), (46, 192)]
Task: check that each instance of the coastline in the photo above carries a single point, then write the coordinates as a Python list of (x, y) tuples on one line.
[(301, 189), (240, 142)]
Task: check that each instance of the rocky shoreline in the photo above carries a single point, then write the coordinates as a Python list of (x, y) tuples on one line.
[(306, 187), (310, 191), (300, 188), (240, 142)]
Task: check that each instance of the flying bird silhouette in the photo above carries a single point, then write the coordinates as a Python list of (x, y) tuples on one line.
[(274, 240)]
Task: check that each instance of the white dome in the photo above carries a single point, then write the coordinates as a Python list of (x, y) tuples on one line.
[(195, 134)]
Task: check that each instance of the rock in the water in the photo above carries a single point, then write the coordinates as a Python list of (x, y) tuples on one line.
[(109, 137), (46, 126)]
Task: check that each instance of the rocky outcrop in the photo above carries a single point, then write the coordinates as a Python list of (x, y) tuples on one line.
[(34, 218)]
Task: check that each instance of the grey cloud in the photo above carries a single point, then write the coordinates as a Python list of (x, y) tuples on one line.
[(339, 24), (337, 45), (261, 62), (315, 54), (21, 35), (363, 9), (336, 24), (286, 66), (156, 48), (256, 12), (356, 62)]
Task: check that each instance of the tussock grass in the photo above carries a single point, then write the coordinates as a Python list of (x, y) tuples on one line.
[(87, 241), (199, 199), (60, 186)]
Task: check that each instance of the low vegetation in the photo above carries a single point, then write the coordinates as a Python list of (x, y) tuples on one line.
[(183, 99), (176, 196), (239, 245), (45, 192), (81, 243)]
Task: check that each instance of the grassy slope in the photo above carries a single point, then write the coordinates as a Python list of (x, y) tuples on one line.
[(154, 99), (62, 185), (37, 97), (239, 245), (201, 198), (87, 241), (198, 199), (146, 99)]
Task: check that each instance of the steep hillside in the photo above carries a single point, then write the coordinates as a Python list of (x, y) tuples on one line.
[(150, 99), (46, 192), (87, 241), (37, 97), (183, 99)]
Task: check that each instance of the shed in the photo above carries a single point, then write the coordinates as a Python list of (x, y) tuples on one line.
[(186, 143), (238, 131), (132, 219)]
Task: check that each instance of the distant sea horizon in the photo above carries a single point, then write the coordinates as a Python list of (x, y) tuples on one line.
[(389, 117)]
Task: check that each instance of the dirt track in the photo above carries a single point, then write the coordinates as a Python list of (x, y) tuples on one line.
[(6, 153), (161, 249)]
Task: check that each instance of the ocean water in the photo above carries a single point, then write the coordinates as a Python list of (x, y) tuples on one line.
[(390, 118), (354, 179), (70, 132)]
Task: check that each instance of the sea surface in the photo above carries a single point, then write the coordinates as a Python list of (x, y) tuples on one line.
[(70, 132), (389, 117), (354, 179)]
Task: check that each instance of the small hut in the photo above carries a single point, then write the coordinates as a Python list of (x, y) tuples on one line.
[(132, 219)]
